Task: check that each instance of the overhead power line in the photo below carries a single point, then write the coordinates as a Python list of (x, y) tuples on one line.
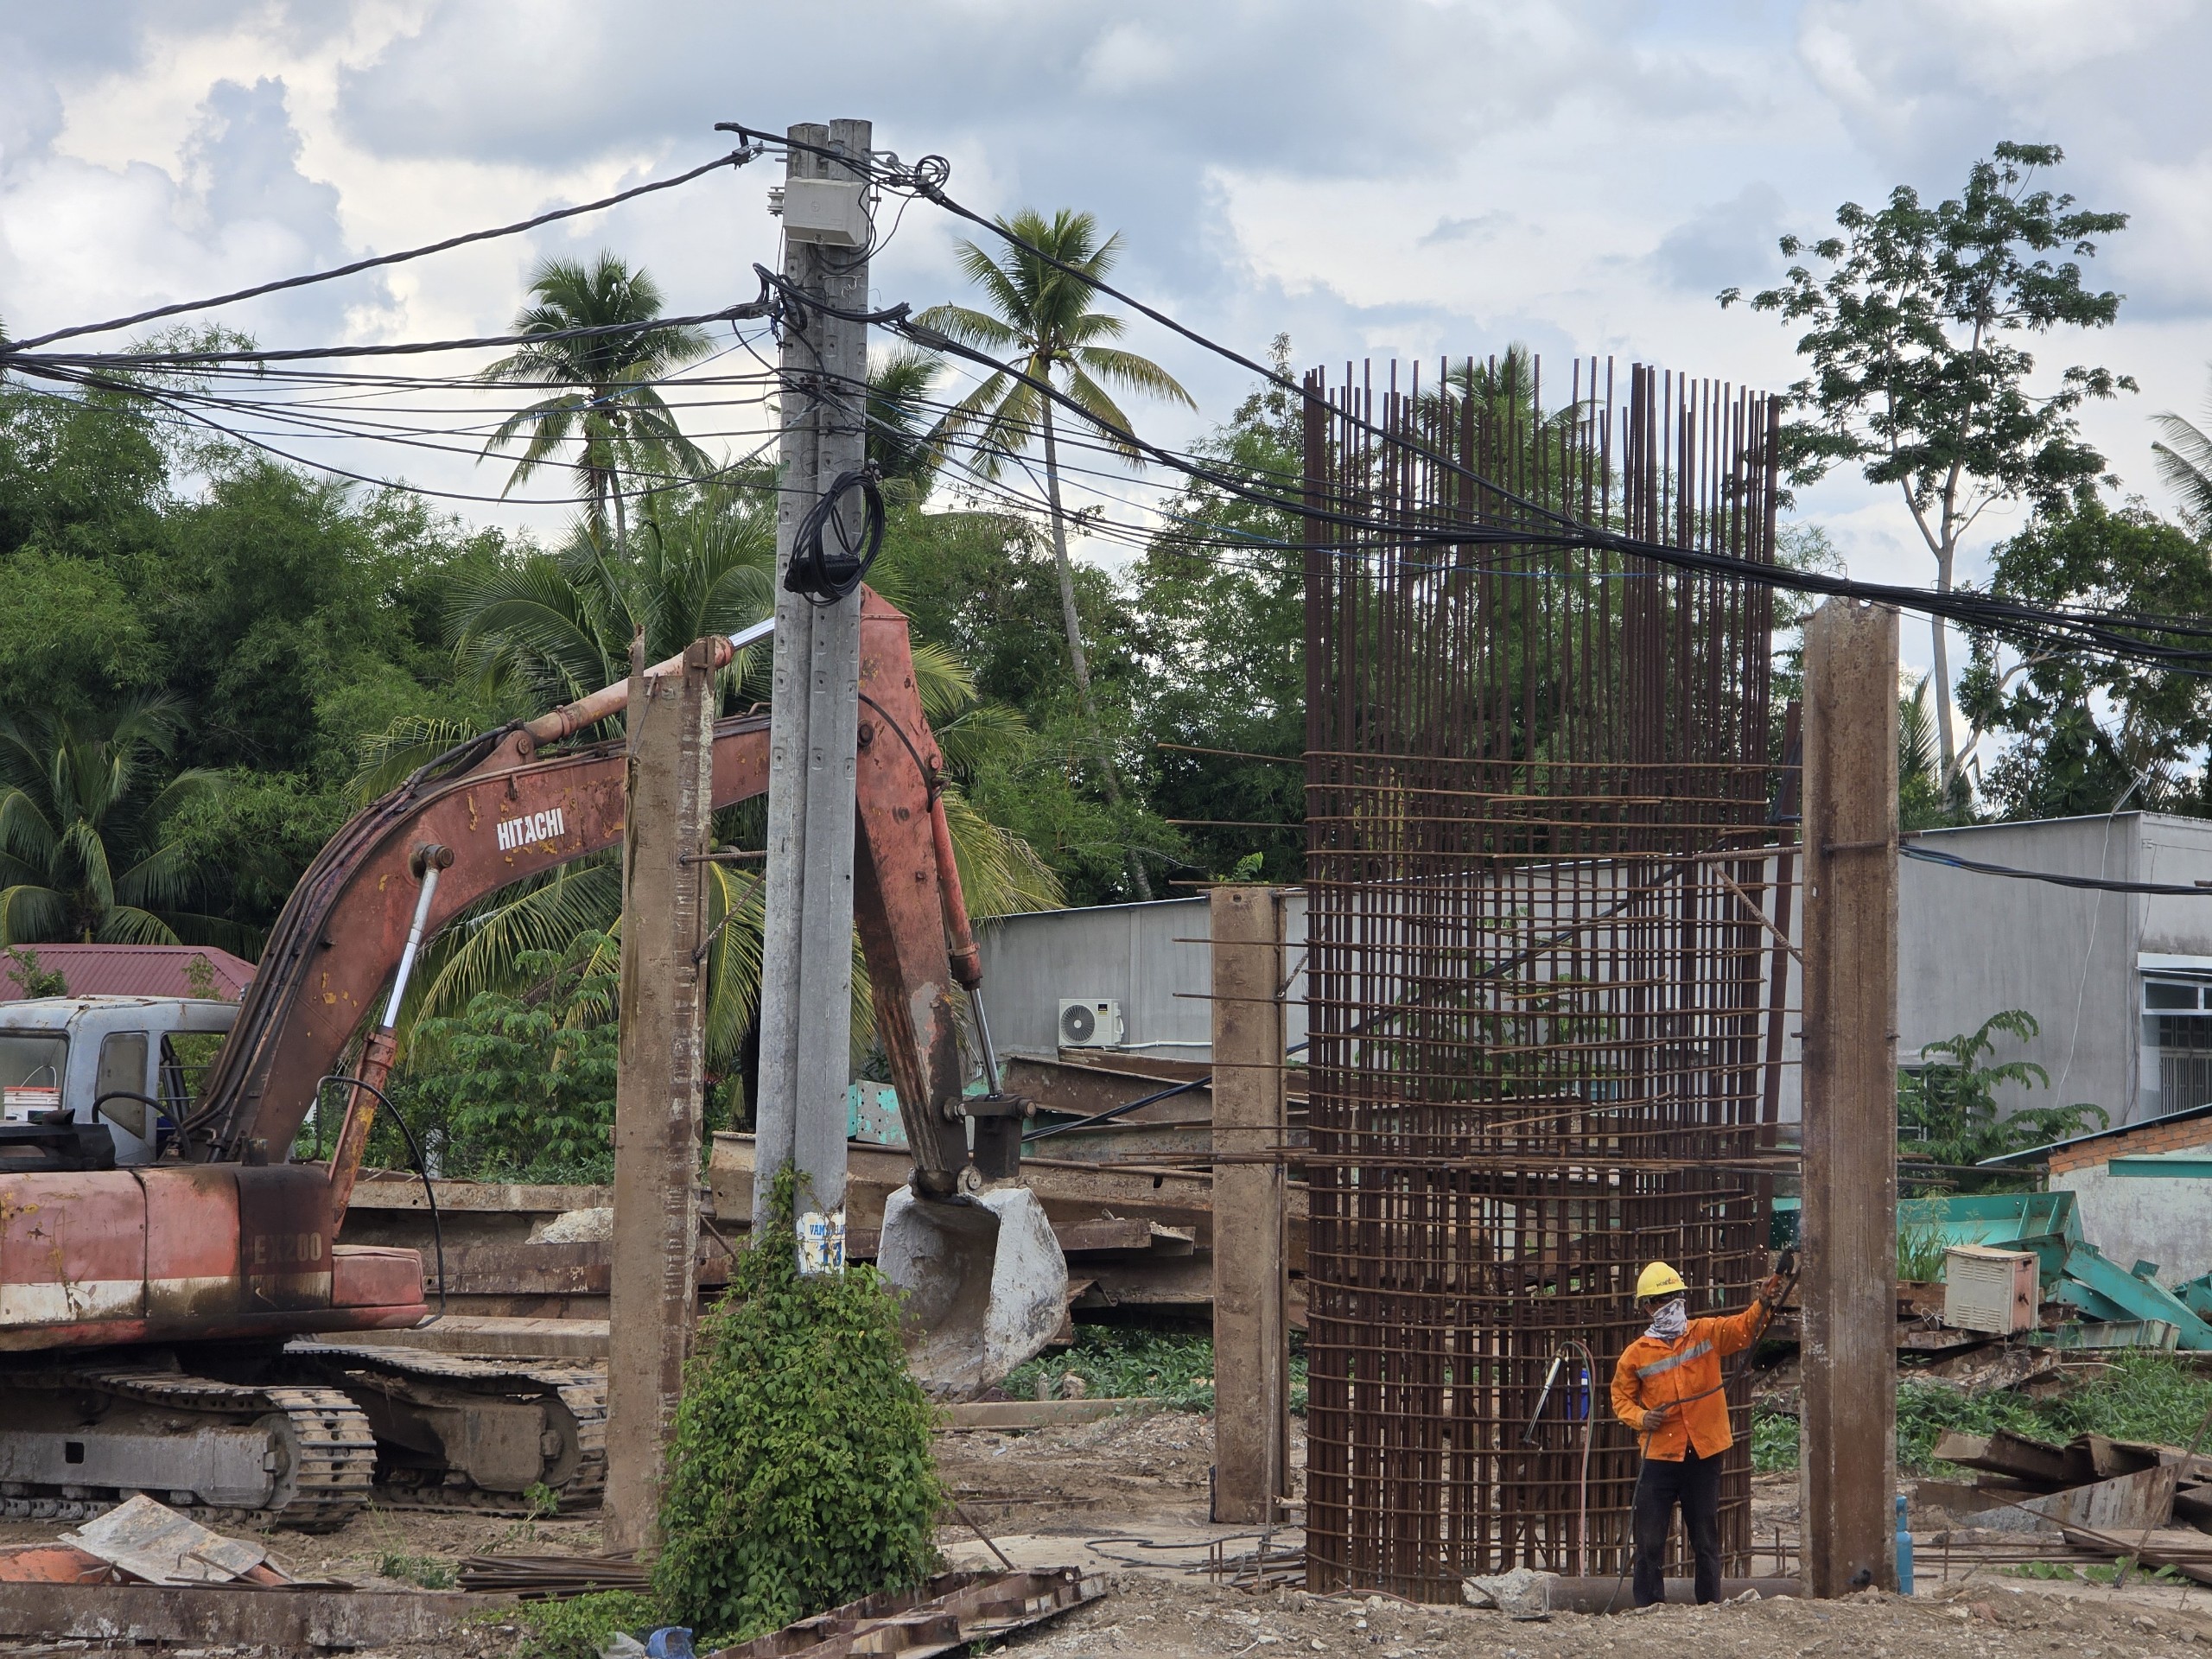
[(2091, 883), (737, 157)]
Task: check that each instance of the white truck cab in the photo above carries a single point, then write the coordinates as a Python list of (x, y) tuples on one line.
[(112, 1060)]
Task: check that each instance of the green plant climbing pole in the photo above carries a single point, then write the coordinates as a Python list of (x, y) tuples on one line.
[(800, 1471)]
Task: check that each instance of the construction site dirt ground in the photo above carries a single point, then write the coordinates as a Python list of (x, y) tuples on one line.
[(1126, 1498)]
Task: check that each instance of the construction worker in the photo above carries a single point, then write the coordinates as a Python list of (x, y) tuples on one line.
[(1667, 1389)]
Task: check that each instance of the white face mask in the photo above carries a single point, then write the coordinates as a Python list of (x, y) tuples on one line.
[(1671, 1323)]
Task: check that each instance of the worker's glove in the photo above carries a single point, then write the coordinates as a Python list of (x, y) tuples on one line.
[(1653, 1420), (1770, 1293)]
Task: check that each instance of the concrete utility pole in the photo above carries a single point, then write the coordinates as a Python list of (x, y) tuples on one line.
[(1251, 1339), (1849, 1287), (806, 983), (668, 799)]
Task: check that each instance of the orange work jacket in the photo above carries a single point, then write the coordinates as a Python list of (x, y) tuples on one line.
[(1652, 1373)]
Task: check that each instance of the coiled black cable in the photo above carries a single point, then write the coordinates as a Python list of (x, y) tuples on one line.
[(817, 574), (421, 1168)]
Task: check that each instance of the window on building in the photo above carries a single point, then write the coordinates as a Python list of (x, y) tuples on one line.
[(2178, 1029)]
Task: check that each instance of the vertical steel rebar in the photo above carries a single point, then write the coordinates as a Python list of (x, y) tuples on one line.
[(1539, 878)]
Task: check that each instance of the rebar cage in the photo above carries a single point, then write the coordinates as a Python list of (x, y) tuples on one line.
[(1540, 849)]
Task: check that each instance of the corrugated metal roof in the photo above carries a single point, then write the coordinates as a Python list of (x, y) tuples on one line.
[(2038, 1155), (132, 970)]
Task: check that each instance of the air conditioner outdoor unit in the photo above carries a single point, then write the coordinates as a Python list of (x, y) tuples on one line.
[(1089, 1024)]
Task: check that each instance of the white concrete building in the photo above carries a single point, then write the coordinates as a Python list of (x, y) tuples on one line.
[(2120, 983)]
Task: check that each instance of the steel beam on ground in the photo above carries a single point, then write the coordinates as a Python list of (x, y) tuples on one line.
[(1848, 1465), (653, 1280)]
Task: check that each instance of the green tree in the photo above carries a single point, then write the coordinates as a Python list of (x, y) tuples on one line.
[(2185, 453), (984, 585), (554, 626), (1914, 335), (1222, 592), (83, 806), (606, 398), (2088, 732), (897, 418), (1947, 1105), (1043, 321), (520, 1084)]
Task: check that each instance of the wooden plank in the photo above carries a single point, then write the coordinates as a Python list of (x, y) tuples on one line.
[(954, 1612), (1848, 1470), (2126, 1503), (275, 1620), (506, 1338), (1037, 1414), (584, 1267), (1072, 1191), (386, 1188), (1251, 1345), (2004, 1452), (653, 1289)]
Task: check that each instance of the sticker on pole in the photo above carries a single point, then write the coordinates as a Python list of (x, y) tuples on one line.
[(822, 1241)]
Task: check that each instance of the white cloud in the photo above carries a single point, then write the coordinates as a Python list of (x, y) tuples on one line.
[(1416, 175)]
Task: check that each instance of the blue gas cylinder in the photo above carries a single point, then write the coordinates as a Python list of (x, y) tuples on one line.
[(1904, 1553)]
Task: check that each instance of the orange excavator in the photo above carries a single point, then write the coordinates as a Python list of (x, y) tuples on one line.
[(150, 1312)]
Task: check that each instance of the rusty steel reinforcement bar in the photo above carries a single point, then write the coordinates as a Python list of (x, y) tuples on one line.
[(1543, 897)]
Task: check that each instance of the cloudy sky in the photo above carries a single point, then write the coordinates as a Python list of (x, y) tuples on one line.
[(1377, 178)]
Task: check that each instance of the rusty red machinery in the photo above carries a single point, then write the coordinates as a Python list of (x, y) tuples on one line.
[(166, 1268)]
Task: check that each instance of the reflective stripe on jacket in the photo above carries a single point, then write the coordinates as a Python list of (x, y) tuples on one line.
[(1686, 1375)]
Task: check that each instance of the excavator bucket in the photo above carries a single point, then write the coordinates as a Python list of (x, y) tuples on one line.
[(984, 1282)]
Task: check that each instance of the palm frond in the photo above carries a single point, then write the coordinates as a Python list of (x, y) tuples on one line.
[(30, 914), (128, 924)]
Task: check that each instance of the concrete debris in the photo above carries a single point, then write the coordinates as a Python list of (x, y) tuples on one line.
[(151, 1541), (1523, 1593)]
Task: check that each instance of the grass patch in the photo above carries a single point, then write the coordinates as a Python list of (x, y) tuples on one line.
[(580, 1626), (2157, 1397), (424, 1572), (1120, 1363)]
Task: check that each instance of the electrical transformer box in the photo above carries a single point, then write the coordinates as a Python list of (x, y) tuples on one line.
[(1989, 1290)]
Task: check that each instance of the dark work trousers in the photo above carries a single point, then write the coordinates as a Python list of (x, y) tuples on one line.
[(1695, 1483)]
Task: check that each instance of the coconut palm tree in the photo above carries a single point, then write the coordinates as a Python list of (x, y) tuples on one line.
[(605, 399), (897, 420), (83, 811), (557, 625), (1044, 324), (2185, 463)]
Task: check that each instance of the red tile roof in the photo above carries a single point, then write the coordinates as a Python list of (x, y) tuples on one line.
[(132, 970)]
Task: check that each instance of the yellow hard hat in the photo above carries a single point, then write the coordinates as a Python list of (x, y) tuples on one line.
[(1658, 1279)]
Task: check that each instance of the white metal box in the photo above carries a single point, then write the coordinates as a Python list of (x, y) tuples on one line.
[(1090, 1024), (828, 211), (1989, 1290)]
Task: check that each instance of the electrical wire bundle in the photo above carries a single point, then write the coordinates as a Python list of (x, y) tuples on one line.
[(178, 384)]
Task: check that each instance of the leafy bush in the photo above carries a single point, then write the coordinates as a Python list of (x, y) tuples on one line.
[(32, 980), (1950, 1104), (800, 1471), (580, 1626), (521, 1087)]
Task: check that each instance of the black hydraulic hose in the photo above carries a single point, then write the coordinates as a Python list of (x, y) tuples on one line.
[(421, 1168)]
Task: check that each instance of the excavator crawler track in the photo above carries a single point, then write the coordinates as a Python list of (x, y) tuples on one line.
[(118, 1425), (405, 1392)]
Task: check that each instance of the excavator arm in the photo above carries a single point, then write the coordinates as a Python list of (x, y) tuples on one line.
[(969, 1246), (509, 813)]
